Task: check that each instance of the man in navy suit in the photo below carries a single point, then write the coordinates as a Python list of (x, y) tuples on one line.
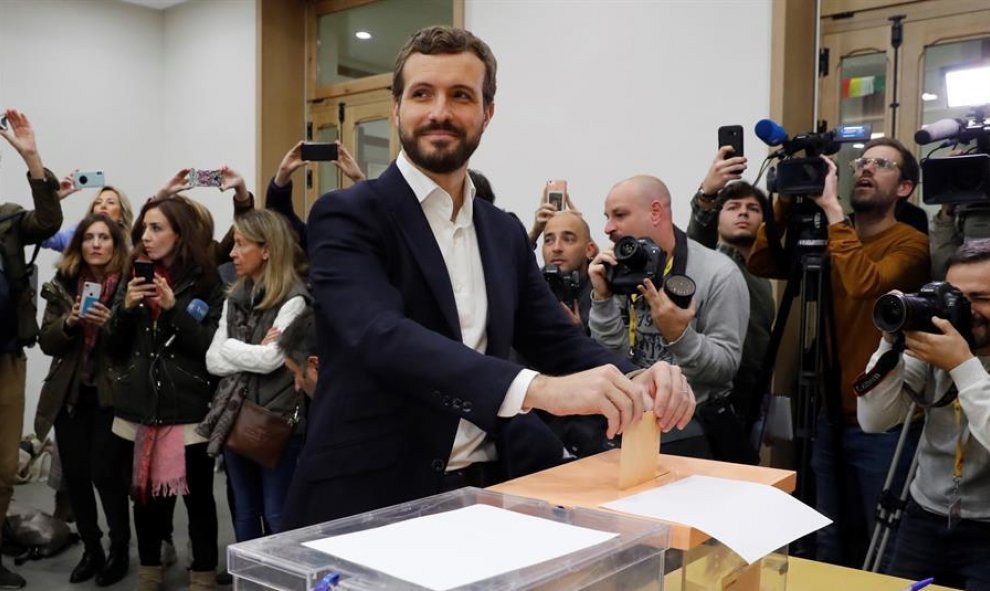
[(420, 292)]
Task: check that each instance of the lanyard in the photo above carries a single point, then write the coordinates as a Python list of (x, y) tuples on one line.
[(957, 469), (634, 297)]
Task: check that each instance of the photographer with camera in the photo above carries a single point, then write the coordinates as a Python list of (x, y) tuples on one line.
[(567, 252), (726, 213), (945, 530), (868, 258), (704, 337)]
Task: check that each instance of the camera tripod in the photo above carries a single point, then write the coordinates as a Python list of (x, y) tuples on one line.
[(890, 508), (809, 277)]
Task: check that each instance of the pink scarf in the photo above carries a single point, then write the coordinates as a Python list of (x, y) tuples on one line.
[(159, 462)]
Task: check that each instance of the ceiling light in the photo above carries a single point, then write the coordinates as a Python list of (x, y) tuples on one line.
[(968, 87), (928, 96), (363, 35)]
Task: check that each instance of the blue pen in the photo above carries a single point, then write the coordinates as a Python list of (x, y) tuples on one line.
[(920, 584)]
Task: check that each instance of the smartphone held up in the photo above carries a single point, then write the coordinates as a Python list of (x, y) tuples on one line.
[(556, 193)]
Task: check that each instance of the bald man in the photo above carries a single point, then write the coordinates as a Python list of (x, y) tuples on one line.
[(567, 244), (705, 339)]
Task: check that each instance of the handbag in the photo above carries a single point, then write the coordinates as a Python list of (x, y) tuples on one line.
[(260, 435)]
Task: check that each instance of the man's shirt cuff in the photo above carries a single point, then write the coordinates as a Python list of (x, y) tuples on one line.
[(516, 394)]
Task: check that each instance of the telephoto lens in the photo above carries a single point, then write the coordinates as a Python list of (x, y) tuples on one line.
[(680, 290)]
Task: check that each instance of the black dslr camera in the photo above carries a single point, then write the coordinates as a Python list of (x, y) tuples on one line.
[(636, 259), (565, 286), (898, 312)]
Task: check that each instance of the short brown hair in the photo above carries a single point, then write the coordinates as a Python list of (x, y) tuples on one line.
[(971, 252), (440, 40)]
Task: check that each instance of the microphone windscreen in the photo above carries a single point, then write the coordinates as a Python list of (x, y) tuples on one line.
[(770, 132), (940, 130), (198, 309)]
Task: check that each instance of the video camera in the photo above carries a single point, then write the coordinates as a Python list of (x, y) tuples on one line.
[(957, 179), (894, 313), (565, 286), (804, 176)]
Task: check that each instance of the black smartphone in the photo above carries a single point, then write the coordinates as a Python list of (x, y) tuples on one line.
[(731, 135), (319, 152), (146, 270)]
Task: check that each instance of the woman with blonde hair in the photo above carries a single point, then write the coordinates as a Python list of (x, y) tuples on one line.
[(267, 295), (77, 399), (109, 201)]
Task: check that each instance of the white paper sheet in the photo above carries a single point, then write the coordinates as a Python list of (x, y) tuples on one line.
[(460, 547), (752, 519)]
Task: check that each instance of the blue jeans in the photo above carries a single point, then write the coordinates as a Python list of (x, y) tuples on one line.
[(866, 458), (957, 557), (259, 493)]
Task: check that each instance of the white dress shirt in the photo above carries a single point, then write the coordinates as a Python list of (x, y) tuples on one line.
[(458, 242)]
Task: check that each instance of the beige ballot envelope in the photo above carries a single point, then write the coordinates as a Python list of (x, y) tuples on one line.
[(640, 448)]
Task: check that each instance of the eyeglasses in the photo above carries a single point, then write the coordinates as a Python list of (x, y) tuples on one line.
[(861, 163)]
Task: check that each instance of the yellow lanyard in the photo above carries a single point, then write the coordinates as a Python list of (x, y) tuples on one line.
[(957, 469), (632, 306)]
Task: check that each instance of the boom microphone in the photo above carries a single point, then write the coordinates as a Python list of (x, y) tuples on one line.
[(940, 130), (770, 132)]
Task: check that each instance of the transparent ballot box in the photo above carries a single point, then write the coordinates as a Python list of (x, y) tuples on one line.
[(632, 560)]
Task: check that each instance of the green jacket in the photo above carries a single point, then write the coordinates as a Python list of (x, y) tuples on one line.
[(61, 387), (158, 370), (31, 228)]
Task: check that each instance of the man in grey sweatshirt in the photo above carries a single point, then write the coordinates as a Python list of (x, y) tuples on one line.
[(945, 530), (705, 339)]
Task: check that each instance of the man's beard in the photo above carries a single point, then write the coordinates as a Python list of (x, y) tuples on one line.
[(439, 160), (740, 240), (878, 203)]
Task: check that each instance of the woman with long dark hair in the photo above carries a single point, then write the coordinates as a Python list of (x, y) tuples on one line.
[(160, 331), (76, 397)]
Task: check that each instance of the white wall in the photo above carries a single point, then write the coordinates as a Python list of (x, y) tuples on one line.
[(136, 92), (210, 84), (595, 91)]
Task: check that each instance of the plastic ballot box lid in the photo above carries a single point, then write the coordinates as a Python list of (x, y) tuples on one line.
[(371, 550)]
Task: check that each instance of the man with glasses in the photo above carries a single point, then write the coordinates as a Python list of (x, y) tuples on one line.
[(869, 257)]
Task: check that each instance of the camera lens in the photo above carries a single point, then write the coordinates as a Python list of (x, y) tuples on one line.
[(680, 289), (629, 252), (83, 179), (890, 312)]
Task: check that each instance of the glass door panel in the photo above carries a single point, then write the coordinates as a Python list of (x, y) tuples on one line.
[(862, 101)]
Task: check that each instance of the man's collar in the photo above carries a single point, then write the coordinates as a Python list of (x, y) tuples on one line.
[(423, 186)]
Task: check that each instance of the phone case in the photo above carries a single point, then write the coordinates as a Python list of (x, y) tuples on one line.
[(145, 269), (89, 179), (313, 152), (90, 295), (731, 135), (205, 178)]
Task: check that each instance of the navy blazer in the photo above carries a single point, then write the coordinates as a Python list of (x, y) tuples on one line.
[(395, 377)]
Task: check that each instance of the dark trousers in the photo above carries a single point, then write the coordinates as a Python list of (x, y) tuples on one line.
[(866, 458), (926, 547), (153, 519), (92, 454)]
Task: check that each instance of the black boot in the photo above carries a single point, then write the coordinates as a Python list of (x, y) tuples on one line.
[(10, 580), (91, 562), (116, 567)]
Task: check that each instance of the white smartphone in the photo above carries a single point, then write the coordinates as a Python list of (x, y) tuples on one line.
[(90, 295), (93, 178)]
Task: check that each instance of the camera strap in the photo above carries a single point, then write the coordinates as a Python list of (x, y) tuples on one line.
[(869, 379)]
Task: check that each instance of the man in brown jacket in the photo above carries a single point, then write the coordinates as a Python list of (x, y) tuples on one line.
[(19, 322)]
